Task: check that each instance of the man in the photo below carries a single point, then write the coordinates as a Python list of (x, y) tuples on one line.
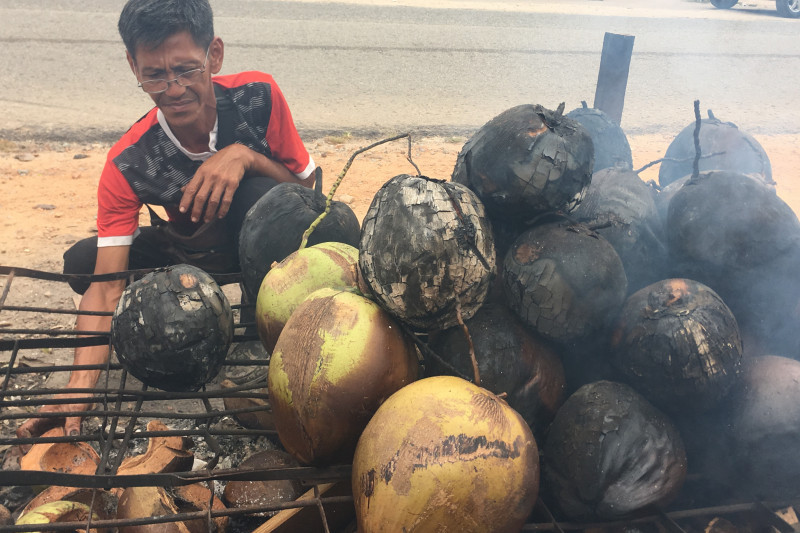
[(171, 158)]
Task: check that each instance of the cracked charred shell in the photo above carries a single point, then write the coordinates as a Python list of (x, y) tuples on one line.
[(172, 328)]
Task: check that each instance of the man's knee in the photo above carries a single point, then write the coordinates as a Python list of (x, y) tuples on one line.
[(80, 259)]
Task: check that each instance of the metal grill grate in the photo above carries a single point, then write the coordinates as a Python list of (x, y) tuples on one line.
[(122, 406)]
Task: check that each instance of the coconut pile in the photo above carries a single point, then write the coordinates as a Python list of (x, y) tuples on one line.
[(620, 336), (544, 324)]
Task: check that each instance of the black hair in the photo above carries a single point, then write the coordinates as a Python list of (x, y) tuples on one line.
[(151, 22)]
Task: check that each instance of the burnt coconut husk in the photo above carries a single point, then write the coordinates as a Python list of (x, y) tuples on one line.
[(610, 454), (737, 236), (746, 449), (619, 206), (678, 344), (510, 359), (564, 281), (662, 196), (722, 222), (526, 161), (611, 147), (724, 146), (764, 428), (427, 251), (732, 233), (172, 328), (273, 228)]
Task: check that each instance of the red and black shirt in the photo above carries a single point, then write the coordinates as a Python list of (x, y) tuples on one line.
[(147, 165)]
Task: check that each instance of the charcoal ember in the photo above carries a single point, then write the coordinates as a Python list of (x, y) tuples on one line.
[(172, 328), (240, 494), (526, 161), (426, 251), (273, 228), (611, 147), (725, 147), (564, 280), (510, 360), (610, 454), (678, 344), (619, 206)]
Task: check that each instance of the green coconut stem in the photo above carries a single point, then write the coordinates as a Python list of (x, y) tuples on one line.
[(338, 182)]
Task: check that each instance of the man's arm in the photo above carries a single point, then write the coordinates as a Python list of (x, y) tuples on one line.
[(215, 182), (100, 296)]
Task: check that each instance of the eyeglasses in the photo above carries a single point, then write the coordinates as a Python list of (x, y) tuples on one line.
[(185, 79)]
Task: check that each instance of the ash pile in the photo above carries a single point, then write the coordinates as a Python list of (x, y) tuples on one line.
[(543, 341)]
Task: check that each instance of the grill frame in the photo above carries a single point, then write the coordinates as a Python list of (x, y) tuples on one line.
[(109, 438)]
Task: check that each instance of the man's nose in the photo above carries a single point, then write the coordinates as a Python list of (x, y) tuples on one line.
[(174, 90)]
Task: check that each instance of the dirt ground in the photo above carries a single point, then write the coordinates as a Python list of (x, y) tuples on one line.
[(47, 191)]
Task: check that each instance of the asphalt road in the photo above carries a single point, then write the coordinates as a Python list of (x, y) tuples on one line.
[(381, 66)]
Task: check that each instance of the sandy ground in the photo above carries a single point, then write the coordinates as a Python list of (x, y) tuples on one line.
[(47, 192)]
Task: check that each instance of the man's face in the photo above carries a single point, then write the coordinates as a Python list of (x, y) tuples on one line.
[(184, 107)]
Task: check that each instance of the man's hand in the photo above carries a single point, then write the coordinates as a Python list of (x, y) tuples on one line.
[(210, 192)]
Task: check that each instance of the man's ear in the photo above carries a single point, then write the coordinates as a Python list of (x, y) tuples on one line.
[(131, 62), (216, 53)]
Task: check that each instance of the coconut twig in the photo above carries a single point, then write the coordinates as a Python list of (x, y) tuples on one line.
[(338, 182), (673, 160), (411, 160), (428, 353), (469, 343)]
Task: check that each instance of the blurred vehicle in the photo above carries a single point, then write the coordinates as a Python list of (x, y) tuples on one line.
[(786, 8)]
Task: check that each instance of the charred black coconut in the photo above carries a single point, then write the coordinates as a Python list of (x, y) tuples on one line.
[(564, 280), (427, 251), (609, 453), (619, 206), (722, 224), (526, 161), (765, 428), (611, 148), (724, 146), (274, 227), (172, 328), (678, 344)]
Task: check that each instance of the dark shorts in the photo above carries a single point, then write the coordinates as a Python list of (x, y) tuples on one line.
[(147, 250)]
